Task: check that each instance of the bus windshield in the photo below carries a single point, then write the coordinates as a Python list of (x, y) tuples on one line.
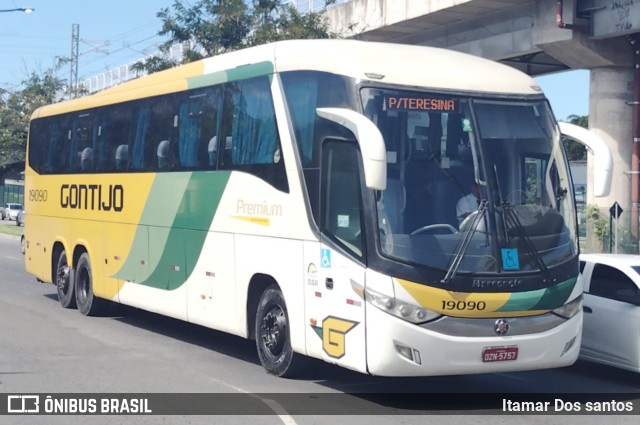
[(473, 185)]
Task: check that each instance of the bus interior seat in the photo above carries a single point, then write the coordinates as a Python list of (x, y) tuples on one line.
[(86, 159), (122, 157), (164, 155)]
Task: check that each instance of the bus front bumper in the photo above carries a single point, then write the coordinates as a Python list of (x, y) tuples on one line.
[(399, 348)]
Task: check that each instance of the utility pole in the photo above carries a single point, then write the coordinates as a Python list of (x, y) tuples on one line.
[(75, 43)]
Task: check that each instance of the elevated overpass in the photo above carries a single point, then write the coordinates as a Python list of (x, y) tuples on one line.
[(538, 37)]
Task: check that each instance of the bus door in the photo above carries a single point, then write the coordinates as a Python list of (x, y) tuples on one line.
[(335, 266)]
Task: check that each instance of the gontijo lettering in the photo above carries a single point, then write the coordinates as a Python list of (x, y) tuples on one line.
[(92, 197), (420, 104)]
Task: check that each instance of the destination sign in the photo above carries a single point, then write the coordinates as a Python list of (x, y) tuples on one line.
[(415, 103)]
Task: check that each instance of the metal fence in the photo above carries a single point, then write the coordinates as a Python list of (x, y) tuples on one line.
[(305, 6)]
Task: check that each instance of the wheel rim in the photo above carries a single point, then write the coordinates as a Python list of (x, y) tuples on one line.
[(62, 279), (273, 331)]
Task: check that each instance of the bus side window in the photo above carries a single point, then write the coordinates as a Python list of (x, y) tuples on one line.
[(197, 128), (59, 151), (341, 202), (250, 133), (119, 131), (58, 145), (210, 128), (80, 140), (154, 122), (141, 128), (39, 145), (253, 131)]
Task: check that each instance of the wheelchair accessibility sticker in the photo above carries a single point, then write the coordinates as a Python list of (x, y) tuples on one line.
[(510, 259), (325, 258)]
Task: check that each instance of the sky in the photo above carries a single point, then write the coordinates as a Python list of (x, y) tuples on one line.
[(118, 32)]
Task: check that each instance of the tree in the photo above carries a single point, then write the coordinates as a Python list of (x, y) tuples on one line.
[(211, 27), (15, 112), (576, 151), (284, 22)]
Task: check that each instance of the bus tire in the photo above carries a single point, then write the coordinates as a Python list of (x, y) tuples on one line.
[(64, 282), (273, 339), (88, 303)]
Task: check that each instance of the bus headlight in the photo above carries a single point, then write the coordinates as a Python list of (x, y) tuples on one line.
[(405, 311), (570, 309)]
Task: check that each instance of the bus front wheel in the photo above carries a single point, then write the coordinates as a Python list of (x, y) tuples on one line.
[(273, 339), (64, 282), (88, 303)]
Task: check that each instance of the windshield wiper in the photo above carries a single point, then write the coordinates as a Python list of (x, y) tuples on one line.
[(511, 220), (464, 244)]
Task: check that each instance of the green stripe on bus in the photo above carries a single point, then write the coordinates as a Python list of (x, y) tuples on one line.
[(193, 199), (164, 200), (542, 299), (556, 296), (239, 73)]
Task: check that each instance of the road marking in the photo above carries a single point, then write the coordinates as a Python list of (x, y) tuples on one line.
[(13, 258), (280, 411)]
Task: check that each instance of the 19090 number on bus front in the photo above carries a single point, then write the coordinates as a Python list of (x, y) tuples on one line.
[(464, 305)]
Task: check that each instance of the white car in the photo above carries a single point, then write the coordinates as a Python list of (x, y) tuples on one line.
[(11, 211), (611, 333)]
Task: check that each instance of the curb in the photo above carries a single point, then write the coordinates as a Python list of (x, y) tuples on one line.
[(6, 236)]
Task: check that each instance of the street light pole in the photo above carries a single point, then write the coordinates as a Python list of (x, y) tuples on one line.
[(20, 9)]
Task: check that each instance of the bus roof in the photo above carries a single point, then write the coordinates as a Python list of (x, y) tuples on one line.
[(409, 65)]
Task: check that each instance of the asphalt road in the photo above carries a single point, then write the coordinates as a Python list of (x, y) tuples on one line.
[(46, 349)]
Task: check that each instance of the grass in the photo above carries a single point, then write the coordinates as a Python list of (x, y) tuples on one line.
[(11, 229)]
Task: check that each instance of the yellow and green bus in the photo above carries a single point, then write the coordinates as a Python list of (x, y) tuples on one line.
[(307, 194)]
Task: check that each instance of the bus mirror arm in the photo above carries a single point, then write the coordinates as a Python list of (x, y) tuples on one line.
[(372, 147)]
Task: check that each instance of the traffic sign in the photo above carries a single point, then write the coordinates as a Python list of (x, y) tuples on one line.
[(615, 210)]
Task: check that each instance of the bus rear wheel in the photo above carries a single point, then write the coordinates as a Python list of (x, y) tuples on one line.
[(64, 282), (88, 303), (273, 339)]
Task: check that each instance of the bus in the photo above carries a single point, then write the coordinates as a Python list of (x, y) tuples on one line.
[(305, 194)]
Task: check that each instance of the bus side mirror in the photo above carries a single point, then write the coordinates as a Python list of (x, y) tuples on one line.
[(602, 173), (372, 147)]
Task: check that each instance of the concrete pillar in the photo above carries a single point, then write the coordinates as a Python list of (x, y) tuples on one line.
[(610, 116)]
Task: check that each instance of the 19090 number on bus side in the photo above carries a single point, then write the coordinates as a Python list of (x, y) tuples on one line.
[(38, 195)]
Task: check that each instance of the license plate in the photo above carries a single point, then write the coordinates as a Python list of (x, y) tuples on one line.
[(499, 354)]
